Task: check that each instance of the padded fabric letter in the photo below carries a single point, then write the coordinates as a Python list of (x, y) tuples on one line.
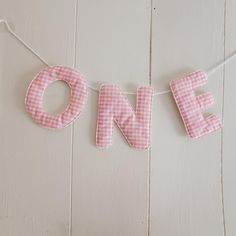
[(34, 96), (191, 106), (114, 107)]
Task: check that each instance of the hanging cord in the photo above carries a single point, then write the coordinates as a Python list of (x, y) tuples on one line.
[(209, 72), (22, 41), (218, 66)]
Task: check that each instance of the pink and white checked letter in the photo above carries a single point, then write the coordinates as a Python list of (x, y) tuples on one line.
[(191, 106), (34, 96), (114, 107)]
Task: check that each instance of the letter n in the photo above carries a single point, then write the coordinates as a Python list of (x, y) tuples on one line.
[(134, 125)]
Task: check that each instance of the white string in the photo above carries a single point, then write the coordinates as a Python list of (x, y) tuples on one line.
[(209, 72), (22, 41), (224, 62)]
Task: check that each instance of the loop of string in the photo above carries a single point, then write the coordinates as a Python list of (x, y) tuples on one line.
[(209, 72)]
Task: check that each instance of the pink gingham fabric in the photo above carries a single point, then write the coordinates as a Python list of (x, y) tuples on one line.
[(34, 96), (191, 106), (114, 107)]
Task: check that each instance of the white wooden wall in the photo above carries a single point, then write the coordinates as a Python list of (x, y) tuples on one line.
[(57, 183)]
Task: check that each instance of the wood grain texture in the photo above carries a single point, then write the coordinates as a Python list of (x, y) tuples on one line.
[(110, 190), (34, 162), (185, 174), (229, 114), (57, 183)]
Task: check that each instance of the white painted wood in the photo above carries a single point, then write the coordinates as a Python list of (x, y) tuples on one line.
[(185, 174), (228, 157), (110, 190), (42, 171), (34, 162)]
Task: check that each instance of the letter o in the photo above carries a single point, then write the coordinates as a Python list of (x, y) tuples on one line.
[(35, 92)]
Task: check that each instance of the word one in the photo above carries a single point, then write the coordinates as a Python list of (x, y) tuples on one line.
[(113, 107)]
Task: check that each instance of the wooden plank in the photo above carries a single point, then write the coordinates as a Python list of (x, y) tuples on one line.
[(34, 162), (185, 174), (110, 191), (228, 145)]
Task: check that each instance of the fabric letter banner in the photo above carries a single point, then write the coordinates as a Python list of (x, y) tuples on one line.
[(34, 96), (114, 107), (191, 106)]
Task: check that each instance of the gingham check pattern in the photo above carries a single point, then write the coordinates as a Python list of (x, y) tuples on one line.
[(191, 106), (114, 107), (34, 96)]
